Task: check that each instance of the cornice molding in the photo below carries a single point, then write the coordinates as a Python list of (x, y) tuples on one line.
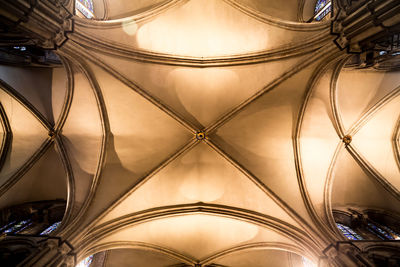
[(129, 220), (305, 46)]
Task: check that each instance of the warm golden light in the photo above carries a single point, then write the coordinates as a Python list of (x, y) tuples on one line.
[(204, 93), (196, 29), (198, 235), (129, 27)]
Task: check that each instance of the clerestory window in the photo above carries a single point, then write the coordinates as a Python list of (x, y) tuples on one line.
[(322, 9)]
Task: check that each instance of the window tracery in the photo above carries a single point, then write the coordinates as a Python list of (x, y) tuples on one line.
[(85, 7), (51, 228), (383, 232), (348, 232), (322, 9), (18, 227), (368, 224), (85, 262)]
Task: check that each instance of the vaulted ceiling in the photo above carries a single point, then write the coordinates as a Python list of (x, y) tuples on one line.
[(115, 132)]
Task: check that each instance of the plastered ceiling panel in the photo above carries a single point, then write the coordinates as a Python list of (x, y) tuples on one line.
[(359, 90), (24, 143), (200, 175), (35, 87), (200, 95), (260, 137), (273, 8), (199, 29), (196, 236), (83, 135), (375, 141), (318, 140), (260, 258), (361, 190), (137, 257), (46, 180), (141, 137)]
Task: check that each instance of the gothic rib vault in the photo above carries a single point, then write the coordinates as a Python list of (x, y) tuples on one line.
[(115, 132)]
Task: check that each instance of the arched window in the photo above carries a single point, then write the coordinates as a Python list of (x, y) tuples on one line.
[(322, 9), (85, 7), (51, 228), (348, 232), (34, 218), (85, 262), (383, 232), (18, 227)]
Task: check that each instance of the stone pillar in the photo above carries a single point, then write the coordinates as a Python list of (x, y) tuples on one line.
[(43, 23), (344, 254), (366, 27), (36, 251)]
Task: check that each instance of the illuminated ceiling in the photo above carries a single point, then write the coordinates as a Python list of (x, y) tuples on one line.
[(114, 133)]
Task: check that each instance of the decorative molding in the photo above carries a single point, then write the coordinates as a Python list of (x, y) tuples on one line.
[(141, 17), (255, 246), (26, 104), (68, 95), (328, 192), (366, 116), (7, 136), (272, 85), (139, 245), (305, 46), (85, 69), (337, 119), (70, 182), (146, 95), (117, 224), (16, 176), (181, 151), (291, 212), (289, 25), (369, 169), (318, 73), (396, 142)]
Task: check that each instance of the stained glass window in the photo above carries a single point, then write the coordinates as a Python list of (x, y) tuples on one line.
[(6, 226), (85, 262), (85, 7), (322, 8), (384, 232), (348, 232), (18, 227), (50, 229)]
